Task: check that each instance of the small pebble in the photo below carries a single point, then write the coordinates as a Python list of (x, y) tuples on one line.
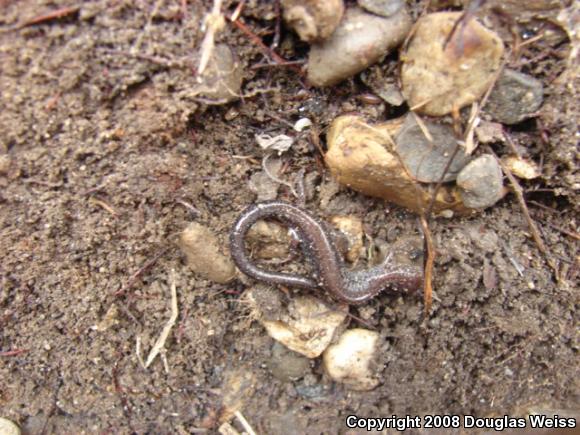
[(425, 159), (5, 163), (521, 168), (349, 360), (385, 8), (437, 81), (391, 93), (8, 427), (515, 97), (286, 365), (360, 40), (489, 132), (268, 240), (313, 20), (221, 82), (202, 249), (352, 228), (480, 182)]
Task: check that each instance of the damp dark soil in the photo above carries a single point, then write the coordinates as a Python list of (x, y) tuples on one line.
[(106, 157)]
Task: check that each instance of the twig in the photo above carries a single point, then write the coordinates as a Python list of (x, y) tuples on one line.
[(267, 50), (13, 352), (138, 352), (517, 266), (572, 234), (194, 211), (244, 423), (103, 205), (54, 15), (160, 343), (429, 264), (518, 191), (133, 279)]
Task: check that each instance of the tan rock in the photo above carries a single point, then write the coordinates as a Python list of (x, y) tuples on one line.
[(437, 80), (202, 249), (521, 168), (313, 20), (350, 360), (362, 157), (352, 228)]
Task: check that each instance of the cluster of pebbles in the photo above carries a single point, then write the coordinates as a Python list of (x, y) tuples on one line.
[(444, 67), (447, 66)]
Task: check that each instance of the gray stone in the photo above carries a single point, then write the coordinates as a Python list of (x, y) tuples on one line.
[(515, 97), (480, 182), (286, 365), (360, 40), (386, 8), (425, 160)]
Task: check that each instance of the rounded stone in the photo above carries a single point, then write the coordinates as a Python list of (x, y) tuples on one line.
[(515, 97), (7, 427), (360, 40), (480, 182), (350, 360)]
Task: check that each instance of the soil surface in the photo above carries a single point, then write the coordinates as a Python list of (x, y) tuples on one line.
[(107, 156)]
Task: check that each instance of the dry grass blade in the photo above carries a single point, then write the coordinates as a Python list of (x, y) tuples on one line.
[(160, 343)]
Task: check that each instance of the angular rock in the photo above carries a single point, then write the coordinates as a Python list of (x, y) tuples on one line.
[(427, 160), (515, 97), (480, 182), (437, 80), (385, 8), (489, 132), (349, 360), (362, 157), (202, 249), (307, 327), (360, 40), (313, 20), (221, 82)]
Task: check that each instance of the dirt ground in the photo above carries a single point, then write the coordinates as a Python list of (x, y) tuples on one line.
[(105, 149)]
